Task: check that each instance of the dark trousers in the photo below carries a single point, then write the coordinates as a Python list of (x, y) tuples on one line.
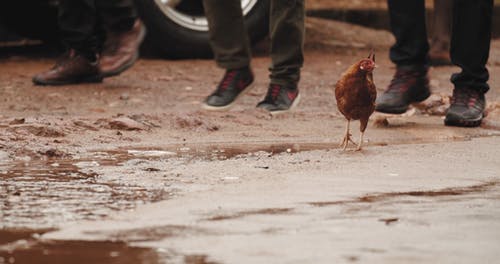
[(230, 43), (470, 38), (83, 22)]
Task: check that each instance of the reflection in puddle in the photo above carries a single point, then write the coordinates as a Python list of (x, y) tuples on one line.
[(24, 246), (45, 192), (81, 252)]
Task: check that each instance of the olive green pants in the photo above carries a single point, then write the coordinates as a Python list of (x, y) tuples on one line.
[(230, 42)]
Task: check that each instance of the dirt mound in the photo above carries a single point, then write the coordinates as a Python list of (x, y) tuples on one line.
[(191, 122), (323, 33)]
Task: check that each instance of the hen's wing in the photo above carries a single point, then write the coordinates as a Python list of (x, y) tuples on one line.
[(341, 96)]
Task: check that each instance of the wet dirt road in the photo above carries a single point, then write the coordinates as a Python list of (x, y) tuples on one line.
[(240, 186), (380, 206)]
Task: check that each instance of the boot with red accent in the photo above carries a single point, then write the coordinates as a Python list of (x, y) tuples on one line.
[(466, 109), (280, 99), (409, 85)]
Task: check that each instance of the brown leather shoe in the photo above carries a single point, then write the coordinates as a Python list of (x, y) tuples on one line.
[(121, 50), (72, 68)]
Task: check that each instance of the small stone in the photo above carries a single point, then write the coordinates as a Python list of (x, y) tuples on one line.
[(17, 121), (125, 123), (52, 153), (124, 96)]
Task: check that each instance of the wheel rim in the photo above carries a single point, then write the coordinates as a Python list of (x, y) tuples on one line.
[(193, 21)]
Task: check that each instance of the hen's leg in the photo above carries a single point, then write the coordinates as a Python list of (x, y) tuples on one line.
[(360, 141), (347, 136), (363, 122)]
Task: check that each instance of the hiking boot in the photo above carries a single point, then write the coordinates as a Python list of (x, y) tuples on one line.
[(466, 109), (409, 85), (234, 84), (72, 68), (121, 50), (280, 99)]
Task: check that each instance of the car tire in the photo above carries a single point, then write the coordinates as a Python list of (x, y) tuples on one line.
[(171, 39)]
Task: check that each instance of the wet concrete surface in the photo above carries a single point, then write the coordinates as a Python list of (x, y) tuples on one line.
[(372, 207)]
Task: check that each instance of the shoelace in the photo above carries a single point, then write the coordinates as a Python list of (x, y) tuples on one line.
[(275, 91), (465, 97), (400, 80), (227, 80)]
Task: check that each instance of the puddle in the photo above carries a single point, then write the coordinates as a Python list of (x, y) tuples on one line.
[(46, 193), (8, 236), (81, 252), (24, 246), (42, 192)]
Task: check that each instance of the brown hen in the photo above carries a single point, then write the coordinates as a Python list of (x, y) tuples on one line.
[(355, 93)]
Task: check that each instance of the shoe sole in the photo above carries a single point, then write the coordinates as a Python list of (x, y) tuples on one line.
[(403, 109), (131, 62), (463, 123), (281, 112), (208, 107), (91, 79)]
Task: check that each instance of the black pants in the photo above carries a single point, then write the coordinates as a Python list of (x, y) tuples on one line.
[(229, 39), (83, 22), (470, 38)]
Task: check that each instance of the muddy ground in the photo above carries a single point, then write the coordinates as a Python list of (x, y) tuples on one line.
[(134, 171)]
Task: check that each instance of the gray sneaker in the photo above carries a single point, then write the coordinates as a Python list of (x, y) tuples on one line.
[(234, 84), (280, 99)]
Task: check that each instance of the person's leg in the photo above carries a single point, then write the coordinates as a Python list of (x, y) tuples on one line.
[(470, 46), (227, 33), (287, 41), (123, 36), (77, 20), (286, 29), (408, 27), (410, 83), (439, 53), (117, 15), (231, 48)]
